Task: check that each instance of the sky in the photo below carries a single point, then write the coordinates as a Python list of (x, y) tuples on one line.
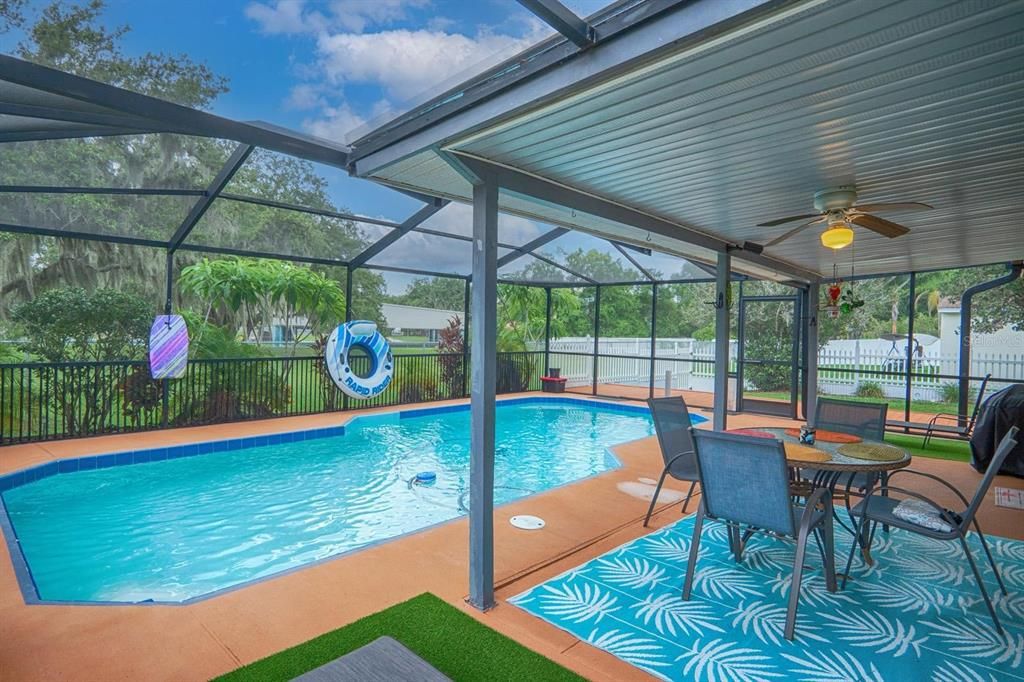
[(336, 68)]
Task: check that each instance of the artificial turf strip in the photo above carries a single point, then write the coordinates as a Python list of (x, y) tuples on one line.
[(451, 641), (938, 448)]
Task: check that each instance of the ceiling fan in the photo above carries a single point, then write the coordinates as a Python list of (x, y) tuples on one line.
[(836, 207)]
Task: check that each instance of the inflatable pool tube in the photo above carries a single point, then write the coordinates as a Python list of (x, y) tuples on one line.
[(359, 334)]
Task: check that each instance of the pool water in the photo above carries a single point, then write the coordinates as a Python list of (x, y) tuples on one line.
[(183, 528)]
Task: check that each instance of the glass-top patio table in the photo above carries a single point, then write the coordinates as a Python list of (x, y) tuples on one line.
[(829, 463), (880, 457)]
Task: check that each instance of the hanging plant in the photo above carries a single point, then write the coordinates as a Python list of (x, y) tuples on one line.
[(849, 301)]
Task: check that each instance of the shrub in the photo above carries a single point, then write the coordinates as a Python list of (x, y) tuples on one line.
[(142, 396), (513, 372), (870, 389), (417, 389), (450, 348), (768, 377), (73, 324), (951, 393)]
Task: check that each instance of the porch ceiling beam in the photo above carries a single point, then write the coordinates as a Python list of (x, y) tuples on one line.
[(532, 186), (526, 249), (216, 186), (710, 269), (249, 253), (625, 254), (577, 275), (258, 201), (387, 240), (531, 245), (152, 112), (501, 245), (562, 19), (419, 196), (632, 247), (416, 271)]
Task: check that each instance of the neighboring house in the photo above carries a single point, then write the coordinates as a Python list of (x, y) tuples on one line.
[(402, 320), (410, 320), (1005, 341)]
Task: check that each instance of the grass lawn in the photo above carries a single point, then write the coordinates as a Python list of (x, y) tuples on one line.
[(459, 646), (895, 404), (413, 350), (939, 448)]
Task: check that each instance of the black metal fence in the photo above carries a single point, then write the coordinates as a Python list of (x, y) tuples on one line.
[(47, 401)]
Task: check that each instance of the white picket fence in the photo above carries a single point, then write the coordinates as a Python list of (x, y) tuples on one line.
[(844, 372), (689, 361), (841, 371)]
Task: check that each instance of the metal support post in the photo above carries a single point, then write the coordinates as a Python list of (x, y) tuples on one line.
[(597, 331), (721, 340), (811, 352), (465, 338), (481, 460), (547, 330), (654, 336)]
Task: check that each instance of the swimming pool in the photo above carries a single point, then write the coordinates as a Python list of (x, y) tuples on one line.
[(173, 527)]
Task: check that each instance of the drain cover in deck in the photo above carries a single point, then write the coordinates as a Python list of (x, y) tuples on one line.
[(527, 522)]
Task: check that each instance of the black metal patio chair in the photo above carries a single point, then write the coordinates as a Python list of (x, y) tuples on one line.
[(864, 419), (672, 424), (960, 429), (745, 482), (875, 509), (857, 418)]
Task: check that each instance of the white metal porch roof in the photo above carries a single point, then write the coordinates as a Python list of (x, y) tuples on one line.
[(906, 99)]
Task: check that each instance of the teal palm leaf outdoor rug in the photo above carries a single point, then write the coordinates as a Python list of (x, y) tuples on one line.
[(915, 615)]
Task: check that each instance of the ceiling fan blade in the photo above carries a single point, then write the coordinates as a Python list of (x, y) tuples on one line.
[(780, 221), (796, 230), (904, 206), (884, 227)]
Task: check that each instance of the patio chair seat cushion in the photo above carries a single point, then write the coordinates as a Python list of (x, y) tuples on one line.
[(922, 514), (882, 510)]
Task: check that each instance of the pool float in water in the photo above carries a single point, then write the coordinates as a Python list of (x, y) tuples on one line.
[(359, 334)]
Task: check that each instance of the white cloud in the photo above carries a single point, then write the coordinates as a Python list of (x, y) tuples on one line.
[(285, 17), (402, 64), (356, 15), (406, 63), (304, 96), (334, 123), (290, 17)]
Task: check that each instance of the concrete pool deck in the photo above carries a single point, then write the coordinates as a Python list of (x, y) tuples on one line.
[(207, 638)]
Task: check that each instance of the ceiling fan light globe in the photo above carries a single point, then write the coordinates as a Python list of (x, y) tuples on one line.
[(837, 236)]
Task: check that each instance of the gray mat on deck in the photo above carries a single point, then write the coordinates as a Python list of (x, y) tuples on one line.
[(382, 660)]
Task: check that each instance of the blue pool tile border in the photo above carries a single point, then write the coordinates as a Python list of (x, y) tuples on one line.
[(130, 457)]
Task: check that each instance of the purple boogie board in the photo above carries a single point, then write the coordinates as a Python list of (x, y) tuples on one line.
[(168, 347)]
